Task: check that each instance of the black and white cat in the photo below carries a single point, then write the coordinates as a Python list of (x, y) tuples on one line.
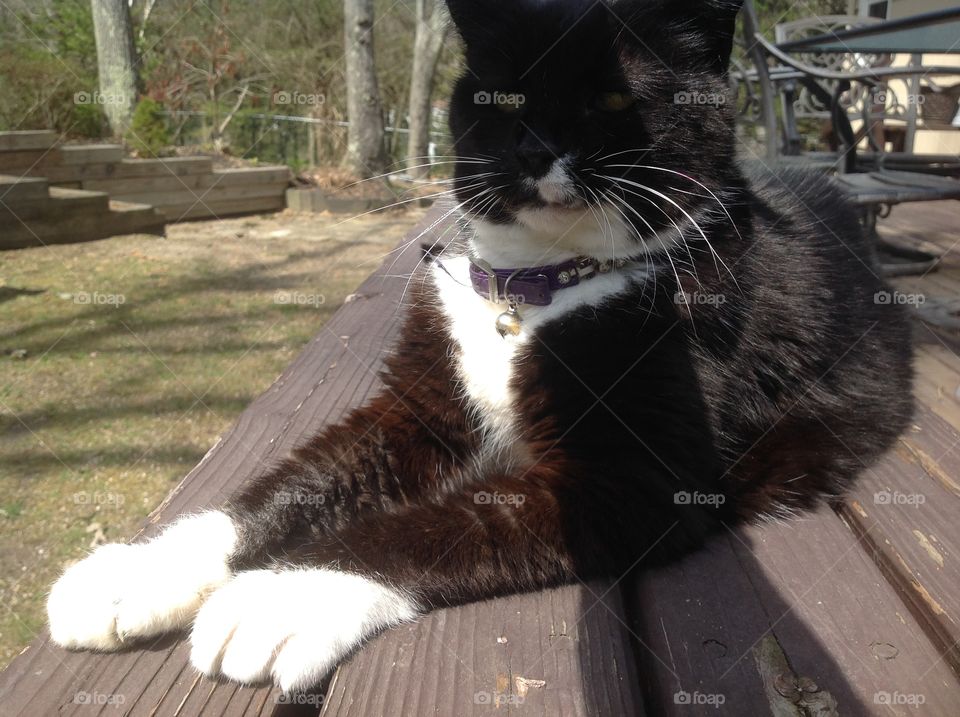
[(682, 348)]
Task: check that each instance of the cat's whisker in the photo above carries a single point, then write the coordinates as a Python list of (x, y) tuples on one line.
[(488, 190), (680, 233), (716, 257), (436, 195), (403, 170), (666, 253), (650, 266), (626, 151), (603, 214), (419, 236), (690, 179)]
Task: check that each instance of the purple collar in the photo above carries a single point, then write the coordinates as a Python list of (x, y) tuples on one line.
[(535, 285)]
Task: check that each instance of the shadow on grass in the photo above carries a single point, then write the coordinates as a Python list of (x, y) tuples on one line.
[(264, 277), (8, 293), (78, 417), (29, 463)]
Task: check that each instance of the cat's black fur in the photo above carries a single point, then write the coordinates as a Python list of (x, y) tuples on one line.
[(771, 399)]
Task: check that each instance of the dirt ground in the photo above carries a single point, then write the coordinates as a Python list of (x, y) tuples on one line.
[(123, 360)]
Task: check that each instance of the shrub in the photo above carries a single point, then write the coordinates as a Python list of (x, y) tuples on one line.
[(149, 135)]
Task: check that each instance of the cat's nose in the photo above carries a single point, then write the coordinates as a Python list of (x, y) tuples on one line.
[(536, 155), (535, 161)]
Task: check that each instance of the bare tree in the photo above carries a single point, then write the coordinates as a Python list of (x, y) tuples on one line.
[(117, 62), (365, 148), (432, 28)]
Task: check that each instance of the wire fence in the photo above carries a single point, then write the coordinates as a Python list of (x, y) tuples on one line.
[(299, 142)]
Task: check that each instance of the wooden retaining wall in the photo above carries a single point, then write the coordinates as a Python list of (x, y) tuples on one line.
[(180, 188)]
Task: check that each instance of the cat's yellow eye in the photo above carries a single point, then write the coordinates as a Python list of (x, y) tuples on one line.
[(509, 102), (615, 101)]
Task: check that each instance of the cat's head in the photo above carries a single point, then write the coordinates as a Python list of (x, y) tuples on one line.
[(581, 116)]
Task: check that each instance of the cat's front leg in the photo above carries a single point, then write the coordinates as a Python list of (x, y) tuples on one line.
[(544, 527), (123, 593)]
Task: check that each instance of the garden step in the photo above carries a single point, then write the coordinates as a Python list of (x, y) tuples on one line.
[(91, 153), (163, 180), (14, 189), (165, 166), (222, 208), (71, 216), (21, 140), (60, 204)]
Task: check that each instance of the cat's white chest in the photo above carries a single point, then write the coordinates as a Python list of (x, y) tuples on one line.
[(484, 359), (486, 362)]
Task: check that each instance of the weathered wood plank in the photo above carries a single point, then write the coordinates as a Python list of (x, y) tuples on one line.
[(935, 445), (20, 140), (209, 195), (16, 188), (905, 511), (90, 153), (563, 652), (164, 181), (937, 385), (131, 168), (804, 588), (206, 208)]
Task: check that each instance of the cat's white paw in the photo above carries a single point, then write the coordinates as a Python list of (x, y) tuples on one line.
[(291, 626), (121, 593)]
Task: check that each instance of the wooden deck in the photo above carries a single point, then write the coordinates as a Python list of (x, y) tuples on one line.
[(857, 607)]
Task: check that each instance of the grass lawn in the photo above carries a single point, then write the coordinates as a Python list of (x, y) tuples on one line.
[(122, 361)]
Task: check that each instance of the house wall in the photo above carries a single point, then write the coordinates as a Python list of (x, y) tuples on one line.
[(905, 8), (928, 141)]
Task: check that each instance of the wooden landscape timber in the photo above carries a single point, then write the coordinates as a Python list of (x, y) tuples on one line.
[(178, 188)]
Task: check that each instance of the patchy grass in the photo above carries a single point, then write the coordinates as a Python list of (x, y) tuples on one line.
[(122, 361)]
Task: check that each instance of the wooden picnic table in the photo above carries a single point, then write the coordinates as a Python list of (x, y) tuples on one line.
[(856, 606)]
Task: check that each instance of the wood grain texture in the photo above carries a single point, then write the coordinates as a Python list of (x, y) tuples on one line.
[(809, 586), (562, 652)]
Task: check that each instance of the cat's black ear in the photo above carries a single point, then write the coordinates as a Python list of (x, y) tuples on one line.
[(713, 21), (476, 20), (721, 26)]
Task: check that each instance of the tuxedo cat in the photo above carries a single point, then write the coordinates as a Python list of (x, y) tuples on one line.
[(635, 346)]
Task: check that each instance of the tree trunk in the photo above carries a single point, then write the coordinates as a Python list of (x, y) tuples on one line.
[(117, 62), (432, 26), (365, 147)]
